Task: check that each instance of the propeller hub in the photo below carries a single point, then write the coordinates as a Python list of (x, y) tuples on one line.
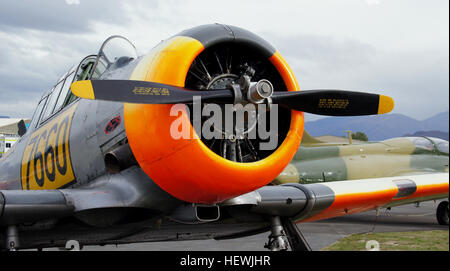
[(257, 92), (264, 88)]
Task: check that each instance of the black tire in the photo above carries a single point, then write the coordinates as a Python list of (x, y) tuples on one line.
[(442, 213)]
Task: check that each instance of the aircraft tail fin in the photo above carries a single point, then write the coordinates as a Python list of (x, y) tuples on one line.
[(308, 139)]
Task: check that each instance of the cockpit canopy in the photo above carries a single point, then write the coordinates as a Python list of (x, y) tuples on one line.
[(116, 48), (115, 52), (430, 144)]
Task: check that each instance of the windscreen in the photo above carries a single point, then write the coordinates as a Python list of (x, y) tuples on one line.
[(441, 145), (115, 48)]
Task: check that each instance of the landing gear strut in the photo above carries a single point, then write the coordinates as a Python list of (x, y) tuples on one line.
[(283, 232), (442, 213)]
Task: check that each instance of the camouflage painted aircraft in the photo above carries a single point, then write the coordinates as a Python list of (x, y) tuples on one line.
[(317, 161), (99, 165)]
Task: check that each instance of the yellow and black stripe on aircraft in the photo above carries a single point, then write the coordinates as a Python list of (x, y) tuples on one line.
[(46, 162)]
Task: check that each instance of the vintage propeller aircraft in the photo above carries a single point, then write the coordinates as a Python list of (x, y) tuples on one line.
[(100, 163)]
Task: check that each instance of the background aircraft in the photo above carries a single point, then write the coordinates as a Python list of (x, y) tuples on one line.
[(317, 161), (105, 169)]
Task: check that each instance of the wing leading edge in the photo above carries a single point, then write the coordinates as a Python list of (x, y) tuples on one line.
[(367, 194), (319, 201), (302, 203)]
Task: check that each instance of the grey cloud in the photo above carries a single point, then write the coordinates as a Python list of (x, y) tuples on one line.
[(324, 52), (40, 40), (57, 15), (32, 61), (416, 79)]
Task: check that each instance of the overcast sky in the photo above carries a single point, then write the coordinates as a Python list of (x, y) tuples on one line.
[(398, 48)]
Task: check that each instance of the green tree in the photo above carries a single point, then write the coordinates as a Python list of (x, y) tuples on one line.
[(360, 136)]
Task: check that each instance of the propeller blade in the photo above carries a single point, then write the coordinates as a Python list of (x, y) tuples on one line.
[(335, 102), (143, 92), (321, 102)]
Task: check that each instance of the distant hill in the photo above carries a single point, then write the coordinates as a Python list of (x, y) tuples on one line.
[(438, 134), (378, 127), (438, 122), (4, 117)]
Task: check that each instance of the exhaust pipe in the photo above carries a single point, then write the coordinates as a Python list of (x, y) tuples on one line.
[(195, 213), (119, 159)]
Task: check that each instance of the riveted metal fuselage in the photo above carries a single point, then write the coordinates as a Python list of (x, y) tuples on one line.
[(68, 149)]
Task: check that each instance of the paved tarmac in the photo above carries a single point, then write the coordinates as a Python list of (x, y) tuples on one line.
[(319, 234)]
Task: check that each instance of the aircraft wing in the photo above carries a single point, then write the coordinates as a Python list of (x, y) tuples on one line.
[(18, 206), (332, 199), (125, 189), (300, 202), (363, 195)]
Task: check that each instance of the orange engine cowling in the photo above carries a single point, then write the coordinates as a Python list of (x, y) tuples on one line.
[(190, 169)]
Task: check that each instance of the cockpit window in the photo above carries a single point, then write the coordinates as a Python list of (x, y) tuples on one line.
[(422, 143), (52, 101), (430, 144), (99, 69), (115, 51), (64, 93), (85, 68), (443, 147), (115, 48), (37, 113)]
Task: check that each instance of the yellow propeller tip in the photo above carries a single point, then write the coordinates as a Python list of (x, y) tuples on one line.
[(385, 105), (83, 89)]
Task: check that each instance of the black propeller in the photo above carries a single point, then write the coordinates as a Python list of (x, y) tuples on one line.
[(322, 102), (144, 92), (334, 102)]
